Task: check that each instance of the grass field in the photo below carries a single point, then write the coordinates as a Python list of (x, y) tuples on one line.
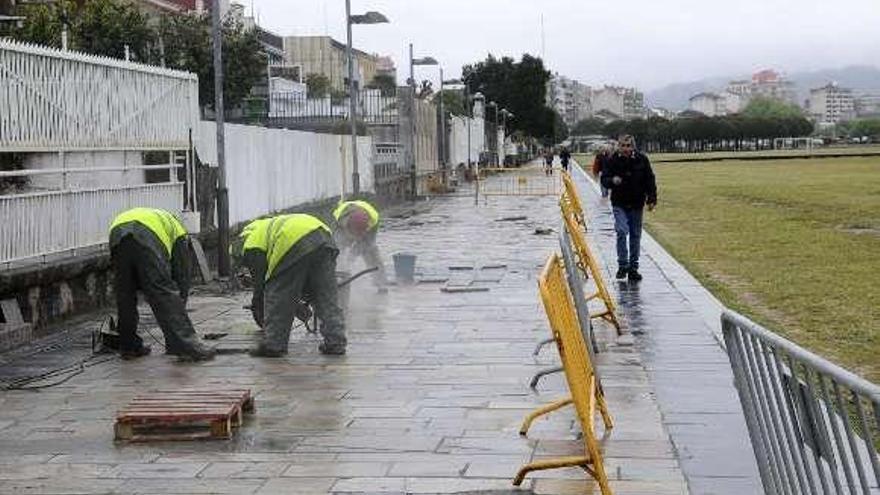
[(794, 244), (716, 155)]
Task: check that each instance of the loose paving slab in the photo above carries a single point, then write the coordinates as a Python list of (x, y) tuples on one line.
[(429, 398)]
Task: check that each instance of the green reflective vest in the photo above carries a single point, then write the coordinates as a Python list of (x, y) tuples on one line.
[(277, 235), (163, 224), (371, 211)]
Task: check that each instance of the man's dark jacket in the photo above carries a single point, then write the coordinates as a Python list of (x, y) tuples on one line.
[(637, 186)]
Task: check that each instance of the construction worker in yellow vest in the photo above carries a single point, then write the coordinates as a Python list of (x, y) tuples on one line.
[(150, 253), (290, 256), (357, 224)]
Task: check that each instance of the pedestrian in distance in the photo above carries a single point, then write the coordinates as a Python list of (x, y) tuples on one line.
[(600, 162), (357, 226), (548, 161), (291, 258), (632, 183), (565, 158), (149, 251)]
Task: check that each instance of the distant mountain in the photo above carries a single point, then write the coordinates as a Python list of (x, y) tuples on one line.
[(675, 96)]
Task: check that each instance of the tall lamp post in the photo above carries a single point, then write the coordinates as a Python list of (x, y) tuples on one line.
[(412, 82), (371, 17), (450, 82), (494, 107)]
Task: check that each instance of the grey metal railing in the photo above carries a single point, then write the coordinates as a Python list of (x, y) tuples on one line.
[(814, 426)]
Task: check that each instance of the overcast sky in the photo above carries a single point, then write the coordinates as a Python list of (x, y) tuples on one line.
[(645, 43)]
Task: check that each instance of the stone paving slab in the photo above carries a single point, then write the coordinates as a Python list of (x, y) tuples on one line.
[(429, 398), (676, 324)]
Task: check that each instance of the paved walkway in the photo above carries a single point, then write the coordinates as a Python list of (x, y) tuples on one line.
[(677, 327), (428, 400)]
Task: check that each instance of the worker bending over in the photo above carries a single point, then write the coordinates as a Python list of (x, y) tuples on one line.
[(357, 225), (292, 258), (150, 253)]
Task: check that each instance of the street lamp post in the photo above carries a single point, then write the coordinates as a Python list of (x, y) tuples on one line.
[(412, 82), (494, 131), (371, 17)]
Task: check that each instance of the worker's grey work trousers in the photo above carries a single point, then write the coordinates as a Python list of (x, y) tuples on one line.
[(136, 268), (313, 274)]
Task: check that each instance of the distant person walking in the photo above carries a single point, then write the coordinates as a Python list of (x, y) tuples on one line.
[(565, 157), (600, 162), (631, 180), (548, 161)]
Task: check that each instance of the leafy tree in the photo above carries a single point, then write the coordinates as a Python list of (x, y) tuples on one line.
[(187, 41), (864, 127), (318, 85), (763, 107), (105, 27), (521, 88), (425, 89), (42, 25), (453, 102), (385, 83), (588, 126)]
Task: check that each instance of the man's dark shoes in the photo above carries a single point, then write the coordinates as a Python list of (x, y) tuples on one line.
[(331, 350), (621, 273), (634, 275), (263, 351), (141, 351)]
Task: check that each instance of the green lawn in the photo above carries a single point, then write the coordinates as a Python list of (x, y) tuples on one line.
[(794, 244), (818, 151)]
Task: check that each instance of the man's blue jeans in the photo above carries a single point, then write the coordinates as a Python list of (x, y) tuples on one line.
[(628, 225)]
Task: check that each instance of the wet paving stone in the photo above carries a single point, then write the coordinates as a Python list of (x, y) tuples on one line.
[(429, 398)]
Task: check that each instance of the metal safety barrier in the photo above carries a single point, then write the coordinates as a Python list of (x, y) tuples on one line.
[(814, 427), (585, 393), (512, 181), (590, 267), (576, 283), (571, 197)]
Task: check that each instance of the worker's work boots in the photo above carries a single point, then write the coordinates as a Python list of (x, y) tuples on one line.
[(197, 351), (262, 351), (331, 350)]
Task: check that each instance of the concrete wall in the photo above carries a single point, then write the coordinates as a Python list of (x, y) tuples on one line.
[(458, 139), (271, 170)]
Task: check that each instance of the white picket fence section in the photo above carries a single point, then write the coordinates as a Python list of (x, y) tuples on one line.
[(53, 100), (60, 222), (271, 170)]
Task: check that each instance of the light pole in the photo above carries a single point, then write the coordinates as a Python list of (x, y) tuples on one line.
[(223, 261), (494, 131), (412, 81), (450, 82), (476, 97), (371, 17)]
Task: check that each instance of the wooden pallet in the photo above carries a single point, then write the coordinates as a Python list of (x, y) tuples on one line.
[(183, 414)]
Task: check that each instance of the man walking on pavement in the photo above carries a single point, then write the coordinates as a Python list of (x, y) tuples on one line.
[(631, 180), (564, 157), (149, 251), (357, 224), (292, 257)]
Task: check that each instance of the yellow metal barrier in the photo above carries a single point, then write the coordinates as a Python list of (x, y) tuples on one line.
[(570, 196), (527, 181), (588, 264), (586, 396)]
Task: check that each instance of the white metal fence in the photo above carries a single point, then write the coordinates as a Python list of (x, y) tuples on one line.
[(52, 100), (60, 222), (83, 110)]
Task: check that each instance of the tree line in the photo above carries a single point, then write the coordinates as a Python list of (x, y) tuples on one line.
[(755, 127)]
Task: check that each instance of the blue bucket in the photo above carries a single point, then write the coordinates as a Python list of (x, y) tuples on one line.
[(404, 267)]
